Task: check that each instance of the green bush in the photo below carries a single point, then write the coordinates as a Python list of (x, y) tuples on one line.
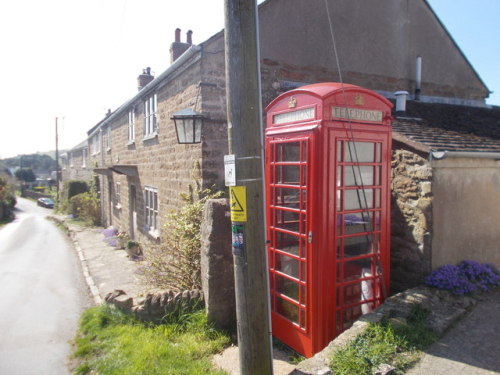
[(74, 187), (70, 189), (7, 197), (86, 206), (176, 263)]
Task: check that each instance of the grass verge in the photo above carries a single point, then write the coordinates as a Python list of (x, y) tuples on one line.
[(84, 223), (381, 343), (111, 342)]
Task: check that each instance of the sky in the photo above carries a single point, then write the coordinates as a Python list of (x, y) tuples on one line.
[(74, 60)]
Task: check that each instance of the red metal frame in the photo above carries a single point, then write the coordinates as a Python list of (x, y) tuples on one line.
[(327, 207)]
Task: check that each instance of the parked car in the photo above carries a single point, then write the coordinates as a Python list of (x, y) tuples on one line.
[(45, 202)]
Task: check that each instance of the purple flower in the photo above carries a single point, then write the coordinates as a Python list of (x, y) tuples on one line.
[(109, 232), (467, 277)]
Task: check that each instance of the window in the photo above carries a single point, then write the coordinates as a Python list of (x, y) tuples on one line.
[(93, 144), (99, 141), (150, 123), (151, 210), (84, 158), (118, 198), (131, 125), (108, 138)]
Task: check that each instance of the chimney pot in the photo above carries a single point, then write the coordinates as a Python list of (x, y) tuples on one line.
[(144, 78), (189, 37), (177, 35), (401, 101)]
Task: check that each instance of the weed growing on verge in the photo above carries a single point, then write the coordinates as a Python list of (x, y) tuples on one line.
[(110, 342), (382, 344)]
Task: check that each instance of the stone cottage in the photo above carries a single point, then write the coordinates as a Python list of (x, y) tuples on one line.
[(383, 46), (74, 163)]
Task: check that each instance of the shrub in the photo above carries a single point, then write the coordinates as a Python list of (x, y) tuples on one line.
[(176, 263), (467, 277), (86, 205), (70, 189), (7, 198)]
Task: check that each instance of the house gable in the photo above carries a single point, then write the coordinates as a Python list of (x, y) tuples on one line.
[(377, 43)]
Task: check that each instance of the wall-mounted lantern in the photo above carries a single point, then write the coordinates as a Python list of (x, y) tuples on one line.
[(188, 125)]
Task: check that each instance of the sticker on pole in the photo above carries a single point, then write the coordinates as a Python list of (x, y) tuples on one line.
[(238, 203), (230, 170)]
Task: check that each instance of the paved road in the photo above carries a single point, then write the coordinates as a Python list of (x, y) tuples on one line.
[(472, 347), (42, 294)]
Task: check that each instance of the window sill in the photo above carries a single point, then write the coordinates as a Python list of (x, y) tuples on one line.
[(150, 136), (155, 234), (130, 143), (108, 149), (118, 206)]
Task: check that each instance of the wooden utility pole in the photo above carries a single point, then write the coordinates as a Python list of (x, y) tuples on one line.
[(245, 137)]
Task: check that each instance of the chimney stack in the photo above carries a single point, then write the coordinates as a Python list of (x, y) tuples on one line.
[(178, 48), (144, 78)]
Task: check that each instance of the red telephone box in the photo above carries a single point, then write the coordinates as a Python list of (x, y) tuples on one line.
[(328, 160)]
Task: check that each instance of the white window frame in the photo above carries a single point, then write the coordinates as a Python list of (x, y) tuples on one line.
[(84, 158), (108, 138), (118, 197), (99, 141), (71, 158), (150, 117), (93, 144), (131, 126), (151, 211)]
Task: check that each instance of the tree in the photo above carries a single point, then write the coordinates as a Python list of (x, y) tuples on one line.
[(25, 174)]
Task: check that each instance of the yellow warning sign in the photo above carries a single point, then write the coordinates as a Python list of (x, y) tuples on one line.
[(238, 203)]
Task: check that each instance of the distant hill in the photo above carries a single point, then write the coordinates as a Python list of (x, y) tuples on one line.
[(40, 162)]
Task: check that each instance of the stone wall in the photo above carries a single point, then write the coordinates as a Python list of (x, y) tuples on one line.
[(156, 306), (213, 103), (217, 272), (411, 219)]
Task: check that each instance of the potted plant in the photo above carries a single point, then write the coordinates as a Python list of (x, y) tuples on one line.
[(133, 248)]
